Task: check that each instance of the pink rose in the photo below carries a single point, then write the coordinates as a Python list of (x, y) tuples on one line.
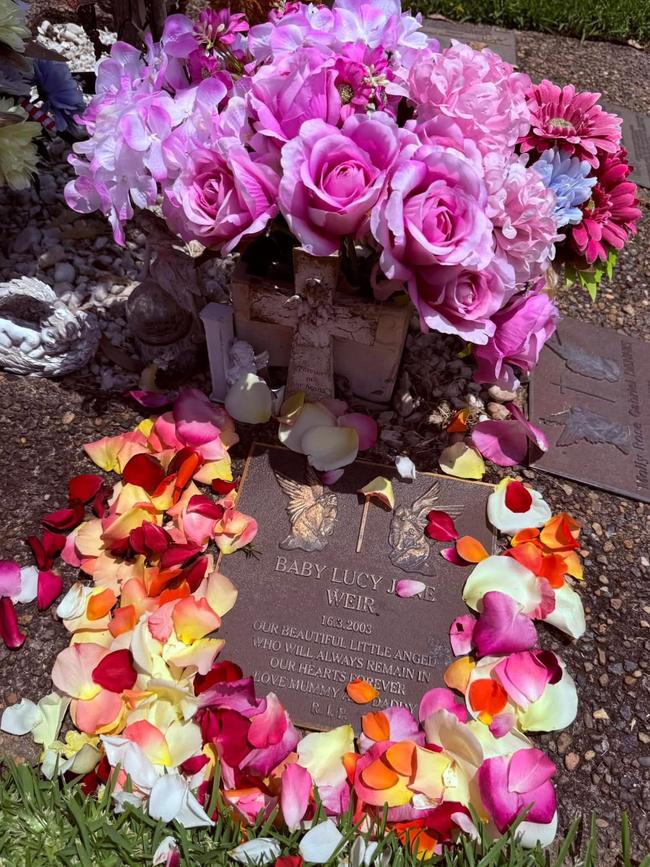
[(459, 301), (332, 178), (221, 196), (431, 214), (522, 328), (283, 95)]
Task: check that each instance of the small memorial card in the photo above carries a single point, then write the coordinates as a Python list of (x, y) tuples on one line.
[(590, 394), (317, 606)]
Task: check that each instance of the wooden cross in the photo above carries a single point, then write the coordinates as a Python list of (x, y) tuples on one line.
[(316, 319)]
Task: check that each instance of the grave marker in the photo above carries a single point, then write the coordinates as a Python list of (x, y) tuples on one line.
[(478, 36), (590, 394), (317, 606), (636, 139)]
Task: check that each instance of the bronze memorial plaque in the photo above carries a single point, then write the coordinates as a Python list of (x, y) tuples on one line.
[(317, 606), (477, 36), (636, 140), (590, 394)]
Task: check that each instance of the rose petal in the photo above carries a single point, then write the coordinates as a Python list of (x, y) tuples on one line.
[(9, 631), (84, 488), (462, 461), (115, 671), (28, 585), (50, 586), (18, 719), (291, 408), (380, 489), (506, 521), (330, 448), (471, 550), (405, 467), (311, 415), (502, 628), (321, 842), (517, 497), (295, 794), (503, 442), (460, 634), (9, 578), (365, 426), (534, 434), (258, 851), (451, 555), (507, 576), (441, 527), (152, 399), (64, 519), (331, 477), (407, 587), (145, 471), (249, 400), (361, 692), (458, 423), (46, 548)]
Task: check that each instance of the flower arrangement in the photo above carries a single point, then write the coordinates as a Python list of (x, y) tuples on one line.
[(446, 175), (169, 726)]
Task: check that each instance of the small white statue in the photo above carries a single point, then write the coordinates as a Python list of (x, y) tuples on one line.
[(243, 360), (39, 334)]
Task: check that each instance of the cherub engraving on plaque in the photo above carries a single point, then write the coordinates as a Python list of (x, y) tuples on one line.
[(411, 548), (584, 424), (312, 512), (585, 363)]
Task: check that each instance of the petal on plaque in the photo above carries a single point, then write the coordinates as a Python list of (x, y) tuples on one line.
[(310, 416), (249, 400), (329, 448), (380, 489), (361, 692), (471, 550), (405, 467), (407, 587)]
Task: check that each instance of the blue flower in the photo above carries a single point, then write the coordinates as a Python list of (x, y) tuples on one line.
[(567, 177), (60, 93)]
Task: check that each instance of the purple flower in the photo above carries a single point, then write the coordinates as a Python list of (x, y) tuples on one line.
[(511, 784), (460, 301), (431, 214), (522, 328), (332, 178), (222, 196)]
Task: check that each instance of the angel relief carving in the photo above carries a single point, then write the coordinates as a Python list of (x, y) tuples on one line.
[(410, 548), (312, 512)]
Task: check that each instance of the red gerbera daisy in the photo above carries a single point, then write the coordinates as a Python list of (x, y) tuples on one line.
[(610, 216), (572, 121)]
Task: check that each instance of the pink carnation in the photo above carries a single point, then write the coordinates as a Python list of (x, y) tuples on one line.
[(332, 178), (522, 211), (573, 121), (221, 196), (431, 214), (611, 215), (479, 90)]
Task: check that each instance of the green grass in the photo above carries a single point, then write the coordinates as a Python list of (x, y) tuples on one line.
[(45, 823), (615, 20)]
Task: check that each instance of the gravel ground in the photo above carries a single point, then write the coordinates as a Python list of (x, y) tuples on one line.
[(604, 758)]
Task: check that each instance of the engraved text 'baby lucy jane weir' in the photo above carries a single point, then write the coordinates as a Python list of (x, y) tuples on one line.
[(317, 605)]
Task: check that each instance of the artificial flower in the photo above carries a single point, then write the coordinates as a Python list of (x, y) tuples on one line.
[(18, 156)]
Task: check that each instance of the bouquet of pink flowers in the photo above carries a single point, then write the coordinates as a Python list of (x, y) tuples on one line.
[(445, 174)]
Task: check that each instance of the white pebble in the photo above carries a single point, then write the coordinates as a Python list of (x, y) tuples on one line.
[(64, 272)]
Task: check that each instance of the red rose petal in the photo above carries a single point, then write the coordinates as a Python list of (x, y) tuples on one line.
[(84, 488), (206, 507), (518, 498), (441, 527), (195, 573), (289, 861), (100, 502), (176, 555), (65, 519), (194, 764), (149, 539), (49, 587), (221, 487), (46, 548), (9, 631), (115, 671), (145, 471), (221, 672), (451, 555)]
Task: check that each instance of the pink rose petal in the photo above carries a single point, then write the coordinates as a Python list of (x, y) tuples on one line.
[(460, 634), (9, 578), (502, 628), (523, 677), (451, 555), (50, 586), (441, 698), (295, 794), (9, 631), (534, 434), (152, 399), (529, 769), (407, 587), (364, 425), (503, 442), (441, 527)]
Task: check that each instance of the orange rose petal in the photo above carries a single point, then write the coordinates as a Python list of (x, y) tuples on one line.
[(573, 564), (458, 424), (170, 594), (561, 531), (156, 579), (458, 673), (100, 604), (376, 726), (361, 692), (487, 696), (400, 757), (123, 620), (379, 776), (529, 555), (553, 569), (529, 535), (471, 550), (350, 764)]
